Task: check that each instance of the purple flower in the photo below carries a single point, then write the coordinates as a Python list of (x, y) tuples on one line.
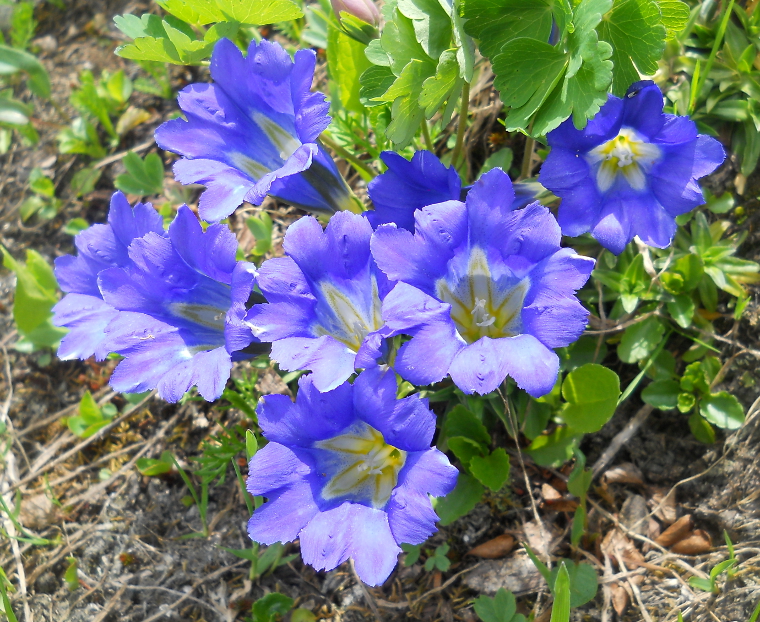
[(83, 310), (324, 299), (411, 185), (484, 290), (348, 472), (630, 171), (171, 304), (254, 132)]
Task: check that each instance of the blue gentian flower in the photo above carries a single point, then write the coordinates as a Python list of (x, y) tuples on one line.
[(254, 132), (630, 171), (324, 299), (484, 290), (411, 185), (172, 304), (100, 246), (348, 472)]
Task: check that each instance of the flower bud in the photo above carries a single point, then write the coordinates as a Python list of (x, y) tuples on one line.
[(365, 10)]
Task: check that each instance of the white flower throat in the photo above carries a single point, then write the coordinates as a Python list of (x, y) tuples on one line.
[(480, 305), (628, 154), (366, 467)]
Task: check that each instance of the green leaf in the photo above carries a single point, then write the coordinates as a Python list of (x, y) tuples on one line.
[(83, 182), (459, 501), (640, 340), (501, 159), (501, 608), (675, 16), (70, 576), (491, 470), (346, 62), (87, 101), (432, 25), (556, 448), (14, 112), (685, 402), (443, 85), (271, 607), (13, 60), (465, 449), (495, 22), (374, 83), (662, 394), (36, 290), (582, 579), (701, 429), (701, 584), (561, 607), (461, 422), (681, 309), (143, 177), (81, 137), (691, 268), (39, 183), (261, 228), (406, 111), (635, 31), (722, 410), (592, 393), (412, 553), (255, 12), (251, 444), (151, 467), (399, 42)]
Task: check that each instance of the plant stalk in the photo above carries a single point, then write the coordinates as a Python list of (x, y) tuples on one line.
[(462, 125), (366, 172)]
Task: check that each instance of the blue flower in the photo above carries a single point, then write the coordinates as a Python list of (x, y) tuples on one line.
[(324, 299), (83, 310), (254, 132), (630, 171), (348, 472), (411, 185), (172, 304), (484, 290)]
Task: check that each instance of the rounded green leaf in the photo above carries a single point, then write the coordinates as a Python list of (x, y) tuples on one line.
[(723, 410), (640, 340), (591, 392), (491, 470), (662, 394)]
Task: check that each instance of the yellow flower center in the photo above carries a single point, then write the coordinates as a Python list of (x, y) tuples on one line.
[(365, 465), (344, 319), (627, 154), (482, 306)]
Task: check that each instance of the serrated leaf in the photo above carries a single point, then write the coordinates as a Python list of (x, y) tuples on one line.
[(36, 290), (399, 42), (464, 43), (87, 101), (257, 12), (406, 111), (494, 22), (438, 88), (635, 31), (491, 470), (675, 16), (150, 48), (465, 449), (461, 422), (432, 25), (374, 83)]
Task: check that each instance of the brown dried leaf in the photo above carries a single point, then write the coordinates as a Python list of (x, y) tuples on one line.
[(550, 494), (626, 473), (619, 598), (697, 542), (500, 546), (663, 504), (36, 512), (633, 514), (617, 543), (677, 531), (563, 505)]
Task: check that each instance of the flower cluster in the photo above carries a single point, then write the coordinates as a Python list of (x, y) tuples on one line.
[(439, 280)]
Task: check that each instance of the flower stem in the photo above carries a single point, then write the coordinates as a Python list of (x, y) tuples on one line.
[(527, 163), (366, 172), (462, 125), (426, 136)]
